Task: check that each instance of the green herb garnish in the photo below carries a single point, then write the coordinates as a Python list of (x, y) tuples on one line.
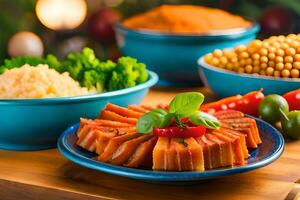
[(182, 106), (88, 70), (181, 141)]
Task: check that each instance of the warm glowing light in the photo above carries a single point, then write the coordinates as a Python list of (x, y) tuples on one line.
[(61, 14)]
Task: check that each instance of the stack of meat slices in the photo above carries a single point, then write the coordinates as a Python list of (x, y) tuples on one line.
[(113, 137)]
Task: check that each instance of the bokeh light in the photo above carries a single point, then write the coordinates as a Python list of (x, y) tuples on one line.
[(61, 14)]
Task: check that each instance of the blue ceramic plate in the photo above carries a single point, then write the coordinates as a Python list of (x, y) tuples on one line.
[(271, 148), (228, 83)]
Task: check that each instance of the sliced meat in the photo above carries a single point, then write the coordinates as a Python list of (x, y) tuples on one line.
[(160, 154), (184, 156), (108, 115), (125, 150), (245, 122), (214, 152), (114, 144), (196, 153), (172, 163), (87, 139), (137, 108), (238, 155), (125, 112), (105, 123), (242, 137), (142, 153), (228, 114), (226, 150)]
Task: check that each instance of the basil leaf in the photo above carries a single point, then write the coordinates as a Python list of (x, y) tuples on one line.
[(185, 104), (204, 119), (157, 118), (145, 124), (161, 118)]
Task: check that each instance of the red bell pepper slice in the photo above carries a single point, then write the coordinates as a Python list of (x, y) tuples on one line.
[(293, 99), (247, 104), (178, 132)]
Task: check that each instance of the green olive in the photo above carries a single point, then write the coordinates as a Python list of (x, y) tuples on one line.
[(269, 108)]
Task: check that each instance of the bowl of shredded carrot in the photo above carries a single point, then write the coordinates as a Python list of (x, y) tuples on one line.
[(170, 39)]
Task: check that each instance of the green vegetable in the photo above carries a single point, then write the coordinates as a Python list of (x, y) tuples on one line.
[(269, 108), (127, 73), (88, 70), (183, 105), (204, 119), (290, 123), (158, 118), (181, 141)]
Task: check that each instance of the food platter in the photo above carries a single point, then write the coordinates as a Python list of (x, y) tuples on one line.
[(271, 148)]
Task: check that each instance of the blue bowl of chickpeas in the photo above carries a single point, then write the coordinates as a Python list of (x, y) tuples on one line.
[(272, 64)]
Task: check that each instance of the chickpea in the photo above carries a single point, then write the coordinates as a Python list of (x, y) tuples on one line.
[(241, 48), (288, 59), (248, 61), (256, 69), (223, 60), (288, 66), (297, 57), (290, 52), (295, 73), (248, 69), (270, 71), (208, 57), (278, 59), (241, 70), (229, 66), (277, 73), (255, 56), (279, 66), (284, 46), (256, 43), (244, 55), (281, 38), (271, 63), (263, 52), (296, 65), (234, 59), (264, 59), (256, 62), (215, 61), (263, 65), (242, 62), (262, 72), (277, 56), (280, 52), (272, 49), (285, 73), (276, 44), (271, 56), (217, 53)]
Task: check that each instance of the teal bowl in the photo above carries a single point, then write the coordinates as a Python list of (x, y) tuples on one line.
[(224, 83), (174, 57), (34, 124)]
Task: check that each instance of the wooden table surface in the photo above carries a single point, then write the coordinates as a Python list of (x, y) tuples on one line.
[(46, 175)]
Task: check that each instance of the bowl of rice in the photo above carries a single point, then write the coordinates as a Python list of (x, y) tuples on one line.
[(38, 103)]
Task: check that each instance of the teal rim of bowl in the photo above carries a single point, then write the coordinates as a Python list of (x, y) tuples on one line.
[(153, 79), (202, 63), (229, 33)]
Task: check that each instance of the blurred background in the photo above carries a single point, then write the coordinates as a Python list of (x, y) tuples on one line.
[(68, 25)]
